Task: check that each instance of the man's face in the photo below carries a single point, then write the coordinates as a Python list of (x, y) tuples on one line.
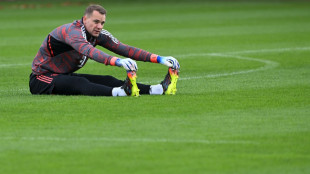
[(94, 23)]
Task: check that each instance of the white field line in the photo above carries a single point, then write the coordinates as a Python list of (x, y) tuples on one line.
[(15, 90), (268, 65), (246, 52), (203, 54), (271, 50), (125, 140), (12, 65)]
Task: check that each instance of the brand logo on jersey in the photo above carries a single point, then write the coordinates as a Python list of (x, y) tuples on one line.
[(82, 61)]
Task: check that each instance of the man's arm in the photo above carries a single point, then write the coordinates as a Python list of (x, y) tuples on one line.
[(107, 40), (75, 39)]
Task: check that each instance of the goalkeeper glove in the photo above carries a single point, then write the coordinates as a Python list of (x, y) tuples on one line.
[(128, 64), (169, 61)]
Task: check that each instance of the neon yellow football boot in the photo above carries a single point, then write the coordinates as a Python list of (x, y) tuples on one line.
[(170, 82), (130, 85)]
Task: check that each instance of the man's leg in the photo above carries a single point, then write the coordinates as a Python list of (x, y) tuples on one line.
[(111, 81), (78, 85), (167, 86), (106, 80)]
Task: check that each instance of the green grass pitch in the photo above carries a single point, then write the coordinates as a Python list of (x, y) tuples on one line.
[(242, 105)]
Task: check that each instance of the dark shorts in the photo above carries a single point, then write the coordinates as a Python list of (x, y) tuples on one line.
[(77, 84), (41, 84)]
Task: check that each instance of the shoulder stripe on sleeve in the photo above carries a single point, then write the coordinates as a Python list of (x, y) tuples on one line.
[(105, 32), (84, 32)]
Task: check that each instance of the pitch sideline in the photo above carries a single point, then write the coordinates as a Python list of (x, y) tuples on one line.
[(131, 140)]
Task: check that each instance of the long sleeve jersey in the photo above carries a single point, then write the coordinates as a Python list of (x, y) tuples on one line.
[(68, 47)]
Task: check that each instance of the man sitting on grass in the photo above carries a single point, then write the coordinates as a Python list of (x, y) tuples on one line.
[(68, 47)]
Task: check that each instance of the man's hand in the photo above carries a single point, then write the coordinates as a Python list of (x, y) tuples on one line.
[(169, 61), (128, 64)]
